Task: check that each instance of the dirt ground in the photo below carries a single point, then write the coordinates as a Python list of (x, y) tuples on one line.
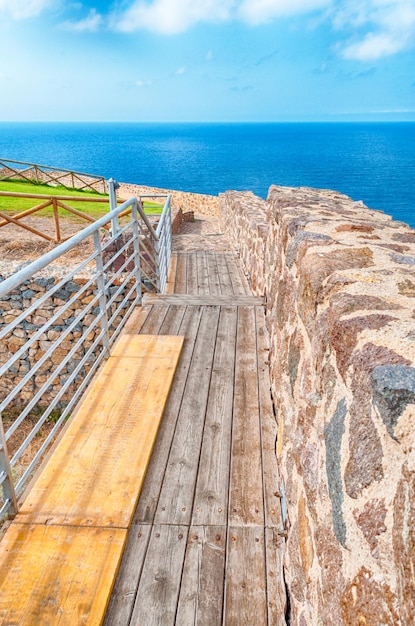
[(18, 244)]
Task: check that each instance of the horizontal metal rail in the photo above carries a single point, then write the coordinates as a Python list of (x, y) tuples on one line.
[(59, 333)]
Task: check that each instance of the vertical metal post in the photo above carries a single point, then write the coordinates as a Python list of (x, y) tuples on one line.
[(112, 187), (8, 487), (136, 233), (157, 257), (101, 291)]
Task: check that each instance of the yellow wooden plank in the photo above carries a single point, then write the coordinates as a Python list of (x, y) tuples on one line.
[(147, 346), (95, 475), (53, 575)]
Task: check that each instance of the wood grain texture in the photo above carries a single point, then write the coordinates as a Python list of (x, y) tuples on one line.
[(239, 283), (202, 274), (50, 574), (271, 483), (176, 496), (245, 577), (225, 280), (191, 277), (180, 285), (96, 472), (159, 586), (201, 590), (153, 482), (200, 300), (213, 273), (124, 593), (276, 594), (171, 275), (136, 320), (246, 504), (211, 497)]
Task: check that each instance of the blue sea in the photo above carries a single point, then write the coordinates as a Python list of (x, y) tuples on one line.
[(372, 162)]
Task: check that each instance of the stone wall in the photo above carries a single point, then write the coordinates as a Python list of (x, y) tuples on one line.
[(339, 284), (12, 305)]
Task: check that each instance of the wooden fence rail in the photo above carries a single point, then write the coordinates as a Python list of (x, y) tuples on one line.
[(55, 202), (32, 172)]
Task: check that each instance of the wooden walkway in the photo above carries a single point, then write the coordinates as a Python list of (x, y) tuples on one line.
[(206, 542)]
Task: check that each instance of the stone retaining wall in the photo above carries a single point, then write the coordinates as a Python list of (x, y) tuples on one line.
[(339, 284), (21, 299)]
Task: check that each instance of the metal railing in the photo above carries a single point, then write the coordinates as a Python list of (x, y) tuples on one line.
[(33, 172), (57, 337)]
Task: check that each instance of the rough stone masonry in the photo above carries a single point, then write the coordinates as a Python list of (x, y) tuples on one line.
[(339, 284)]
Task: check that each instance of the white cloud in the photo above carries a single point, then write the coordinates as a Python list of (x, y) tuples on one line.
[(367, 29), (172, 16), (91, 23), (180, 70), (373, 46), (143, 83), (381, 27), (22, 9), (209, 55)]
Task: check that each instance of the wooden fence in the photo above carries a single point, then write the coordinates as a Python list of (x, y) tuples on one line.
[(32, 172), (55, 202)]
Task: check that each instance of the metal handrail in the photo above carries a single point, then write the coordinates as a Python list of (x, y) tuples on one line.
[(39, 264), (135, 252)]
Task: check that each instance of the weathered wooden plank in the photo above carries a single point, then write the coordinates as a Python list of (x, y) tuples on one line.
[(154, 320), (173, 320), (155, 472), (137, 319), (245, 581), (176, 497), (276, 594), (202, 273), (158, 590), (57, 574), (268, 427), (180, 285), (226, 288), (195, 300), (246, 491), (239, 282), (191, 286), (171, 276), (96, 472), (201, 590), (211, 496), (123, 596), (213, 272)]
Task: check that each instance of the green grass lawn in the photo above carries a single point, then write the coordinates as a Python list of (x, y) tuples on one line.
[(94, 209)]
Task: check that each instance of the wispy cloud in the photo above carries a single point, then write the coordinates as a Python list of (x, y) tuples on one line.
[(180, 71), (143, 83), (23, 9), (266, 58), (370, 29), (209, 55), (91, 23), (172, 16), (380, 27)]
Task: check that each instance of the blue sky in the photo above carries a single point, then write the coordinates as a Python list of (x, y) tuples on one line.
[(207, 60)]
